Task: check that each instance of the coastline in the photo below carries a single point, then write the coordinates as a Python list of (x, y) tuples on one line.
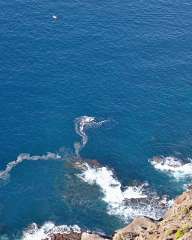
[(176, 224)]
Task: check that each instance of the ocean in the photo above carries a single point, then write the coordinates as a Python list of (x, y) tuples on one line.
[(95, 112)]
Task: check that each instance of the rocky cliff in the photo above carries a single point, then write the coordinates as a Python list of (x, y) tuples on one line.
[(176, 225)]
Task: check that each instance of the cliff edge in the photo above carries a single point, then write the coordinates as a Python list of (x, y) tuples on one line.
[(176, 225)]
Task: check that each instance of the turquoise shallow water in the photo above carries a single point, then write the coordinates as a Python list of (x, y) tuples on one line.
[(125, 61)]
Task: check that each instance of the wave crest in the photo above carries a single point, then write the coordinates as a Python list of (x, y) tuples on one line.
[(125, 202), (33, 232), (175, 166)]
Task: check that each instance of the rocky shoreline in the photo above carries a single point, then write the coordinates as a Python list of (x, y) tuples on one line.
[(176, 225)]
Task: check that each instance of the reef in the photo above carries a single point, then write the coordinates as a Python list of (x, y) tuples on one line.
[(176, 225)]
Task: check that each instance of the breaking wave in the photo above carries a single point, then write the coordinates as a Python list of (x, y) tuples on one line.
[(23, 157), (125, 202), (33, 232), (177, 167), (81, 125)]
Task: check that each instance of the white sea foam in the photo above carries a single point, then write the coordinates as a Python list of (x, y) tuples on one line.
[(23, 157), (81, 124), (33, 232), (127, 203), (173, 165)]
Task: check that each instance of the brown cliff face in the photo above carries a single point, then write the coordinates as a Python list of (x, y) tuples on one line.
[(176, 225), (71, 236), (77, 236)]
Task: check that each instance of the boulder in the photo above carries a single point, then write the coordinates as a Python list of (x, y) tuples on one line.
[(176, 225), (91, 236)]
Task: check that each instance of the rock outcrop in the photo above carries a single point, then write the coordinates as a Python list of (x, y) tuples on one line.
[(70, 236), (92, 236), (176, 225)]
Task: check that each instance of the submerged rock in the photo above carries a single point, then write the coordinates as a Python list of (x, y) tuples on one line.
[(82, 164), (176, 225)]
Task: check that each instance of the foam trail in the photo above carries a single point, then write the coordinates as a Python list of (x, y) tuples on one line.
[(127, 203), (25, 156), (173, 165), (81, 124), (33, 232)]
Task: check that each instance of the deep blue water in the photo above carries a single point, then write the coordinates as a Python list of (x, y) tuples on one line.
[(127, 61)]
